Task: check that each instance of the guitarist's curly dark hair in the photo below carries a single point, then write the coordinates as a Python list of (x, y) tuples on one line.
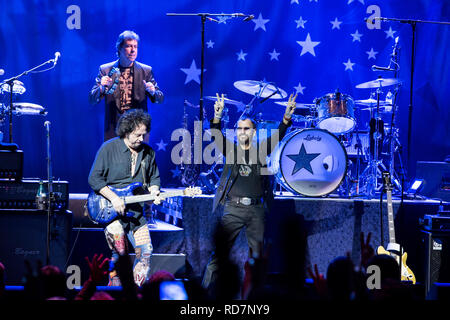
[(130, 120)]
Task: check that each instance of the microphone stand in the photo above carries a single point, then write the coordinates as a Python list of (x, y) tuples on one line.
[(10, 83), (203, 17), (50, 189), (413, 24)]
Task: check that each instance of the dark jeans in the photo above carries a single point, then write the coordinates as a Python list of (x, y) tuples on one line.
[(235, 217)]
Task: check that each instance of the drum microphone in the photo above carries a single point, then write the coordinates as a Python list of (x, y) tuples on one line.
[(377, 68), (394, 51), (249, 17)]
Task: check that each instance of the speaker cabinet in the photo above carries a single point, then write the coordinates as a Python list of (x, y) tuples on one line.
[(437, 255), (23, 236)]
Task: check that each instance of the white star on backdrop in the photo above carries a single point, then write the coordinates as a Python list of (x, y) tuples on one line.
[(336, 24), (161, 145), (356, 36), (192, 73), (390, 33), (308, 45), (299, 88), (260, 22), (241, 55), (274, 55), (210, 44), (301, 23), (348, 65), (372, 54)]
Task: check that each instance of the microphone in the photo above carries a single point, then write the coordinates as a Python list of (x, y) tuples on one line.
[(394, 51), (249, 17), (2, 72), (57, 55), (377, 68), (47, 125)]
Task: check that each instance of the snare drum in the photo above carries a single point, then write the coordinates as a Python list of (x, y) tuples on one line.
[(310, 162), (336, 113)]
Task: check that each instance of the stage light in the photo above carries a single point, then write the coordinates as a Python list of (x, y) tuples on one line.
[(416, 185)]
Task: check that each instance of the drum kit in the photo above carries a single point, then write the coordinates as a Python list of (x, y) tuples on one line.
[(327, 151), (8, 93)]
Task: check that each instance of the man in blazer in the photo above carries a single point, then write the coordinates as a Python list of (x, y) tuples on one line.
[(125, 83), (244, 188)]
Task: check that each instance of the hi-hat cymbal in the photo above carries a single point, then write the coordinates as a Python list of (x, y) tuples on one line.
[(380, 82), (371, 102), (226, 100), (298, 104), (261, 88), (18, 87), (28, 109)]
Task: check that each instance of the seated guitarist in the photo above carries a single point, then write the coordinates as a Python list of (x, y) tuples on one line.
[(119, 162)]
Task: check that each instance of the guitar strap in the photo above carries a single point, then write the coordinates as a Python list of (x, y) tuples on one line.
[(144, 179)]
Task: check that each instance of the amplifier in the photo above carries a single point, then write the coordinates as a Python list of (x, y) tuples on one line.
[(11, 164), (436, 222), (22, 194)]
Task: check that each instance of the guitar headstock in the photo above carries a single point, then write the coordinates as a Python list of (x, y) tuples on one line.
[(192, 191), (387, 180)]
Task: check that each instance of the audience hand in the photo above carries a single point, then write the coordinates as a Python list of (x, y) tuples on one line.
[(367, 250), (320, 283), (97, 267)]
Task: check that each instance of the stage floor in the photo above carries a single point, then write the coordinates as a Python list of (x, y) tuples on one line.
[(332, 225)]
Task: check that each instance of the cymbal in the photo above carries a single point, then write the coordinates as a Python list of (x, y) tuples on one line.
[(226, 100), (28, 109), (380, 82), (18, 87), (298, 104), (371, 102), (262, 88), (382, 109)]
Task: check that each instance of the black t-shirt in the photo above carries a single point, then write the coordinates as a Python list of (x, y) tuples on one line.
[(248, 182)]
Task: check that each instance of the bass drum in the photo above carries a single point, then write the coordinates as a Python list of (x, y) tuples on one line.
[(310, 162)]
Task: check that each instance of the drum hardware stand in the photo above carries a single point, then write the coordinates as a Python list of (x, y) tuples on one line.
[(10, 83), (371, 172), (413, 24), (203, 17), (395, 147), (249, 106), (359, 155)]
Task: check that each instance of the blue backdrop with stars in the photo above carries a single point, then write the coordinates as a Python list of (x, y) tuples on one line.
[(309, 47)]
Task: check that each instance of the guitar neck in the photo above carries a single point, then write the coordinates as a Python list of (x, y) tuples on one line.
[(148, 197), (390, 216)]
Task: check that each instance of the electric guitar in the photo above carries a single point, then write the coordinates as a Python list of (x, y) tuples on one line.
[(101, 210), (393, 248)]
